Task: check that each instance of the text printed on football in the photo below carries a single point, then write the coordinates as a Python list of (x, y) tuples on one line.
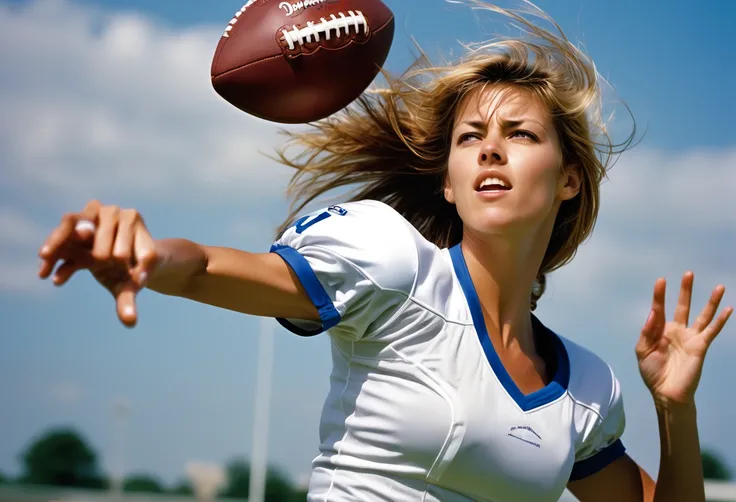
[(292, 8)]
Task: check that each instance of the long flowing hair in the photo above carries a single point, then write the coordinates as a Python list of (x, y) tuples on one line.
[(393, 143)]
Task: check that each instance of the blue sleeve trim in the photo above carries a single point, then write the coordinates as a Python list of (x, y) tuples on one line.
[(316, 292), (597, 462)]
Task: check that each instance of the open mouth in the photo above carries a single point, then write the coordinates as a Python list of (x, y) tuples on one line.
[(492, 183)]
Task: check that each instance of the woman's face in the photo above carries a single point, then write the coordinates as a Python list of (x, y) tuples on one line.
[(505, 171)]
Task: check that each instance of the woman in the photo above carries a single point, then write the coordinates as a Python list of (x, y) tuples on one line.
[(475, 183)]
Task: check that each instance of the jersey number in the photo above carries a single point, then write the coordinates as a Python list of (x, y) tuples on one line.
[(302, 224)]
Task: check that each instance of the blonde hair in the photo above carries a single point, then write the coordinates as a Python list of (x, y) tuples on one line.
[(394, 143)]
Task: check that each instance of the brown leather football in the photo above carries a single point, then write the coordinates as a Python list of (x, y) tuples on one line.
[(301, 61)]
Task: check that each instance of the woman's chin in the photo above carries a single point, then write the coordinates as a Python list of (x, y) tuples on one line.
[(500, 222)]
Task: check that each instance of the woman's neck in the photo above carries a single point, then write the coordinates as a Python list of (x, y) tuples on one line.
[(503, 271)]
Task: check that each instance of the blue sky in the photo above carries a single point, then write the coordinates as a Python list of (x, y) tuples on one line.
[(111, 100)]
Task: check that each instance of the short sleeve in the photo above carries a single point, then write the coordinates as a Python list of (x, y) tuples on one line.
[(604, 444), (356, 261)]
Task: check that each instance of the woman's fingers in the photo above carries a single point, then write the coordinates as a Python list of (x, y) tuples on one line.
[(54, 244), (105, 236), (65, 272), (113, 243), (86, 226), (125, 303), (145, 254)]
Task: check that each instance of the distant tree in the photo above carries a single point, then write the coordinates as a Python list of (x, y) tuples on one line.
[(3, 479), (714, 466), (61, 457), (182, 488), (299, 496), (142, 483), (238, 479), (278, 486)]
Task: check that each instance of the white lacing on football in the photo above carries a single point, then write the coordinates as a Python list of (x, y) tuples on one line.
[(234, 20), (339, 24)]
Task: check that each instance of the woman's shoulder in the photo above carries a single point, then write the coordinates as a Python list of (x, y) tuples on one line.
[(368, 224), (366, 236), (592, 381)]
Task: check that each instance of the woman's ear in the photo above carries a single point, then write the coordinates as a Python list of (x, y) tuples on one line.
[(449, 194), (570, 182)]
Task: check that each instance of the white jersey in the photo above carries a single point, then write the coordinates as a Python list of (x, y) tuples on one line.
[(420, 407)]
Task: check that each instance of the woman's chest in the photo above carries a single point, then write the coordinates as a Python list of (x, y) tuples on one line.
[(473, 432)]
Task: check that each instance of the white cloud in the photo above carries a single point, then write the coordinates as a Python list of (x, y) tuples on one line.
[(691, 190), (102, 104)]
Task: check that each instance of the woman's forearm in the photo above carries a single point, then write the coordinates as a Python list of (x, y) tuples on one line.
[(255, 284), (178, 261), (680, 468)]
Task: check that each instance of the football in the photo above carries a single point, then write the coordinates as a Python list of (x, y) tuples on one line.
[(301, 61)]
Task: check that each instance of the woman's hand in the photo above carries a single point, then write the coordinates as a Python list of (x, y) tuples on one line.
[(671, 353), (112, 243)]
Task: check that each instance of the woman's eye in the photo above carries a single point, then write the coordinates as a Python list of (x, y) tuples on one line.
[(467, 136), (523, 135)]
